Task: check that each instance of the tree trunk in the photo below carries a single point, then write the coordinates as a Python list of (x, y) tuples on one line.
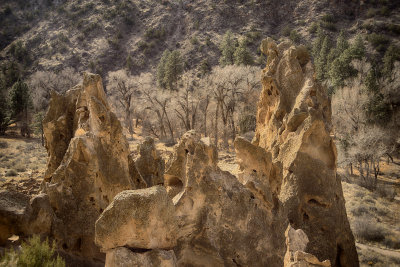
[(128, 120), (226, 144), (42, 134), (216, 127), (351, 168)]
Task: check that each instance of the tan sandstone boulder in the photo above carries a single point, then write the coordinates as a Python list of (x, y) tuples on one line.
[(124, 257), (291, 161), (88, 163), (143, 218)]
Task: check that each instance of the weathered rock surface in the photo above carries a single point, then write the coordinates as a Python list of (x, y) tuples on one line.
[(88, 163), (296, 243), (143, 218), (149, 163), (14, 213), (221, 223), (21, 215), (291, 162), (124, 257), (42, 215)]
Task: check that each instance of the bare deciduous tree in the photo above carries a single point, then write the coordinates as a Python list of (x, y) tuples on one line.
[(41, 83)]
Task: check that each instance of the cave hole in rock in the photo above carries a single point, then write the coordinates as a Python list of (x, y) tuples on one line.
[(313, 201), (64, 246), (102, 118), (339, 253), (78, 244), (138, 250), (305, 217)]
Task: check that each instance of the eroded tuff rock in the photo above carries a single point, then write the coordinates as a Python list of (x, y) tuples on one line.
[(143, 218), (149, 163), (124, 257), (220, 221), (296, 243), (291, 162), (88, 163)]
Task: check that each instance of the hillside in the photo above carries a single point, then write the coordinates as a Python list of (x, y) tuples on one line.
[(102, 36)]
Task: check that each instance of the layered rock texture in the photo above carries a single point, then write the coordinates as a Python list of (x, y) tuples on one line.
[(88, 163), (291, 163)]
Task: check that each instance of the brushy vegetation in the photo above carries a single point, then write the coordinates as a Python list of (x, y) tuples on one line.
[(372, 216), (33, 253)]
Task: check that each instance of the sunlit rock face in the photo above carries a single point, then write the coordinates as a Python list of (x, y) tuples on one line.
[(291, 163), (220, 221), (88, 163)]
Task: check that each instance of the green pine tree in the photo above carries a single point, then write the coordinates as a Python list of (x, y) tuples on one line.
[(341, 43), (20, 104), (392, 54), (227, 49), (371, 81), (161, 69), (242, 55), (321, 64), (172, 70), (317, 44), (357, 48)]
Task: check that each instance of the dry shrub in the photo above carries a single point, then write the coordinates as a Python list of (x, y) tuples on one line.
[(386, 191), (367, 229), (3, 144), (360, 210), (392, 242), (11, 172)]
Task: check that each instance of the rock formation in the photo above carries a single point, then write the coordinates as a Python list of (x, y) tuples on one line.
[(138, 228), (23, 216), (143, 219), (291, 162), (287, 179), (220, 221), (124, 257), (149, 163), (195, 214), (88, 163), (296, 243)]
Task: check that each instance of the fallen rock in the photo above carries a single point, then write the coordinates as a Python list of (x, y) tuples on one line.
[(291, 162), (88, 163), (149, 163), (42, 216), (124, 257), (143, 218), (15, 212), (20, 215)]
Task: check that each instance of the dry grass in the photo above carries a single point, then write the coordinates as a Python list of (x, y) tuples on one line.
[(374, 221), (21, 159)]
